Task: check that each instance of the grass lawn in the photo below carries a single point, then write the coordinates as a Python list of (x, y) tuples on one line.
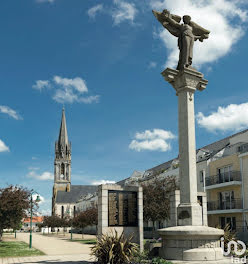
[(85, 241), (17, 249)]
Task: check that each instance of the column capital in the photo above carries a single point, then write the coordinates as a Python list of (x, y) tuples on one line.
[(185, 80)]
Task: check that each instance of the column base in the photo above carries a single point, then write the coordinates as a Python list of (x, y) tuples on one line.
[(189, 214), (191, 243)]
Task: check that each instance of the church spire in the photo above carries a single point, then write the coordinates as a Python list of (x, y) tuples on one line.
[(63, 137)]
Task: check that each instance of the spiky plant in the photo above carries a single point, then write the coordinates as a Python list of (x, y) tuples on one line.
[(229, 235), (114, 249)]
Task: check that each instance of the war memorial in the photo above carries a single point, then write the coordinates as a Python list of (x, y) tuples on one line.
[(190, 239)]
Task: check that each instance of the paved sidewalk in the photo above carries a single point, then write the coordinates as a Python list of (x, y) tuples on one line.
[(56, 246), (65, 259), (58, 250)]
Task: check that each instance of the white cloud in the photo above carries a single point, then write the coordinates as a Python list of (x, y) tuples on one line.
[(45, 176), (123, 11), (102, 182), (41, 84), (233, 118), (76, 83), (152, 65), (12, 113), (45, 1), (89, 99), (68, 90), (155, 140), (95, 9), (223, 18), (3, 147)]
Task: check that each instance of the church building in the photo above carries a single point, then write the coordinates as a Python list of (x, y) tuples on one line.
[(65, 195)]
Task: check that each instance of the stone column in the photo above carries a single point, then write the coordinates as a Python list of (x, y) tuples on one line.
[(186, 82), (174, 202)]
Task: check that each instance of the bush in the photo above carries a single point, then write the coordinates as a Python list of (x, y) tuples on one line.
[(160, 261), (143, 258), (114, 249)]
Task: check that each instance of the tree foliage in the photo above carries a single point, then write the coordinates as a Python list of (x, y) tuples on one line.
[(86, 218), (156, 198), (14, 206), (52, 221)]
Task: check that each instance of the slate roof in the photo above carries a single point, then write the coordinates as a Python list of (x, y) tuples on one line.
[(77, 191), (213, 148)]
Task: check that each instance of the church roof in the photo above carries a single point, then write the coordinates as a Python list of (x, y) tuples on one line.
[(63, 137), (77, 191)]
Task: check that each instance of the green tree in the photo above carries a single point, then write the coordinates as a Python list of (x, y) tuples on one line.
[(80, 221), (14, 206), (156, 198), (85, 218), (52, 221), (91, 216)]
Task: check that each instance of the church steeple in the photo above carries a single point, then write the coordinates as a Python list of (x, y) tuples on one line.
[(62, 162), (63, 137)]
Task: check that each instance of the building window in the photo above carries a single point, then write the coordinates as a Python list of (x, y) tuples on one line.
[(225, 174), (231, 221), (226, 200), (62, 172), (62, 211), (201, 175)]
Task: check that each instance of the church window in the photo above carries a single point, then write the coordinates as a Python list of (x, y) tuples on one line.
[(62, 169), (62, 211)]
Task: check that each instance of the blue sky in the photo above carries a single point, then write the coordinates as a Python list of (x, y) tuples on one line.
[(102, 61)]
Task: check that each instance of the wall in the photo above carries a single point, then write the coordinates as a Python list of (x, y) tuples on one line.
[(202, 165), (244, 162), (229, 160), (66, 206), (103, 227), (213, 220)]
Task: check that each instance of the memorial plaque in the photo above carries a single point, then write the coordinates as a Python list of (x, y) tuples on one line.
[(122, 208)]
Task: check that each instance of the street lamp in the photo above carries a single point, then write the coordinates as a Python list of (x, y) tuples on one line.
[(31, 215)]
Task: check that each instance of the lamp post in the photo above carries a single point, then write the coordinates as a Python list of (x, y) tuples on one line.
[(31, 215)]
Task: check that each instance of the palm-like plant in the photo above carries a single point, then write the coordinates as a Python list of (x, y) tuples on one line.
[(229, 235), (114, 249)]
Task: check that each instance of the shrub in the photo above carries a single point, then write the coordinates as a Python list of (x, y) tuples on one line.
[(229, 235), (160, 261), (114, 249)]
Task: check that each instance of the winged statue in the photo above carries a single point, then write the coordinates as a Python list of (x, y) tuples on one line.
[(187, 33)]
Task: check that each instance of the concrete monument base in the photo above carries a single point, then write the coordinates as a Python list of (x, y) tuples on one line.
[(225, 260), (191, 243)]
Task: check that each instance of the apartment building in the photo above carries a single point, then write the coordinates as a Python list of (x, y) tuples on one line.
[(222, 172)]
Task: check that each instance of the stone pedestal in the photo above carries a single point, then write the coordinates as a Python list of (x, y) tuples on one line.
[(190, 240), (191, 243)]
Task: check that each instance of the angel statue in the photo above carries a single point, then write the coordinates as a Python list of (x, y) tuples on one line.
[(186, 33)]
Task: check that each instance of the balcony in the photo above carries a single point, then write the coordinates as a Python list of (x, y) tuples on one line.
[(223, 179), (234, 205), (243, 148)]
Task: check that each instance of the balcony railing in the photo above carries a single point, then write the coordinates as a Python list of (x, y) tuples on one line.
[(225, 205), (223, 177), (243, 148)]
